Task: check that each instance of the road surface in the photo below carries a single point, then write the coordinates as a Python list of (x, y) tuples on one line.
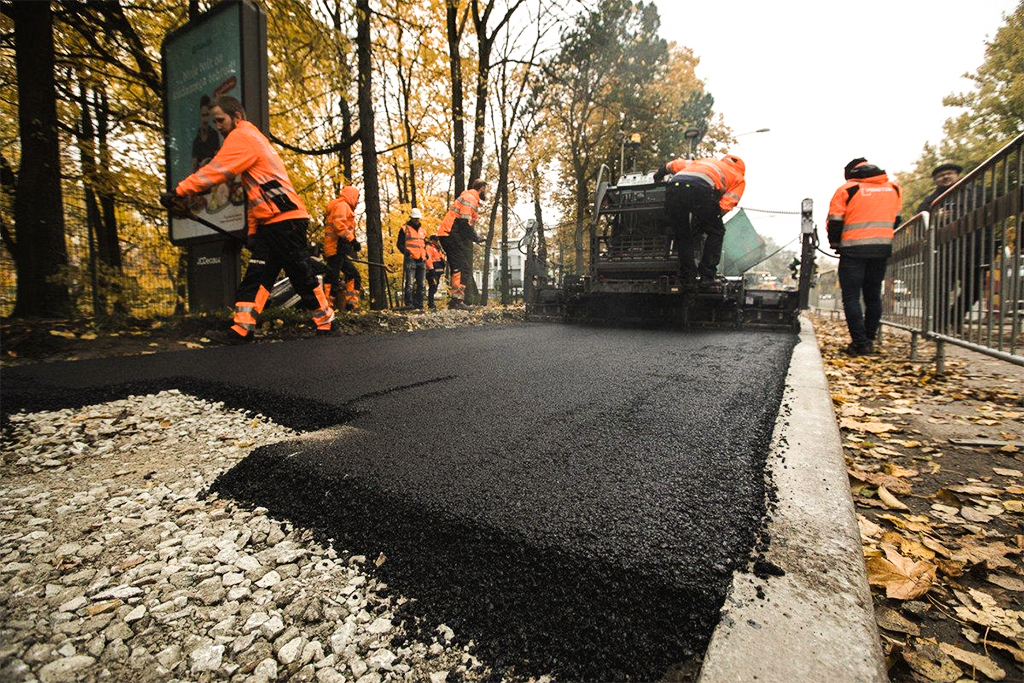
[(574, 500)]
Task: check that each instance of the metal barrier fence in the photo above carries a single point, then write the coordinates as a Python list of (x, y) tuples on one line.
[(149, 284), (956, 276)]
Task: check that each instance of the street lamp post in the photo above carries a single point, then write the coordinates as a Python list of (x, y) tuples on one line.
[(759, 130), (692, 134)]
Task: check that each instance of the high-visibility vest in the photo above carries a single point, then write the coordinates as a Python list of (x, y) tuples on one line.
[(724, 175), (341, 220), (415, 238), (246, 153), (466, 205), (867, 208)]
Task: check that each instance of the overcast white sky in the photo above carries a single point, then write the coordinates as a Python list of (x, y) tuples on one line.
[(832, 81)]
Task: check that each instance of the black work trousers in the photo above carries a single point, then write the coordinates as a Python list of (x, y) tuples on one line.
[(340, 264), (281, 246), (691, 207), (862, 277)]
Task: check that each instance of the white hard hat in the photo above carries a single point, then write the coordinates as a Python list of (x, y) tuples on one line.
[(415, 213)]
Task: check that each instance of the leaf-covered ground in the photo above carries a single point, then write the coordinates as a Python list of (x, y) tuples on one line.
[(35, 340), (935, 466)]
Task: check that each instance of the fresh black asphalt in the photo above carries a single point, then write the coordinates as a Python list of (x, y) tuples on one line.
[(574, 500)]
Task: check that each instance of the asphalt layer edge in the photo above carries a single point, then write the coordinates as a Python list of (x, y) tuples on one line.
[(816, 621)]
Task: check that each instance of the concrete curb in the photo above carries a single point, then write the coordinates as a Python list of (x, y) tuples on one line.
[(816, 623)]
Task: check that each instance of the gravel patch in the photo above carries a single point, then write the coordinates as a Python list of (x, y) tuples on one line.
[(115, 563)]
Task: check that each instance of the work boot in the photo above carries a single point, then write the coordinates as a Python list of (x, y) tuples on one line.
[(859, 349), (332, 331), (457, 305)]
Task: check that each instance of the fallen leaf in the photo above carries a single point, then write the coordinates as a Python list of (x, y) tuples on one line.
[(928, 660), (908, 546), (910, 522), (910, 444), (981, 609), (974, 489), (103, 607), (1007, 582), (868, 529), (934, 545), (891, 620), (902, 578), (88, 336), (1009, 448), (871, 427), (1002, 471), (890, 500), (973, 514), (993, 554), (898, 471), (204, 340), (975, 661), (1014, 506), (1016, 652), (888, 481), (1015, 490), (62, 333)]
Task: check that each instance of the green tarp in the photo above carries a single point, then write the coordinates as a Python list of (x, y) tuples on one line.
[(742, 246)]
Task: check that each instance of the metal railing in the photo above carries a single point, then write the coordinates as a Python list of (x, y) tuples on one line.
[(956, 274)]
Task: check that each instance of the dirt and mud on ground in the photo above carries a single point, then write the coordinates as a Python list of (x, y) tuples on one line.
[(936, 467), (38, 340)]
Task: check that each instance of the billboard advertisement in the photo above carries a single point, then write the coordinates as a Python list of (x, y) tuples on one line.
[(203, 60)]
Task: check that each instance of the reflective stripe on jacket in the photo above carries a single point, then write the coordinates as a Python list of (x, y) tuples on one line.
[(248, 154), (867, 209), (465, 206), (723, 176), (415, 238), (341, 220)]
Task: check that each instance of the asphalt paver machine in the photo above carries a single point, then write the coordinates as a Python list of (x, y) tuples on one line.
[(632, 274)]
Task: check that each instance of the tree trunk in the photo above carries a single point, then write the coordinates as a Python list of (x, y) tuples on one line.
[(506, 276), (542, 249), (476, 162), (485, 277), (42, 256), (371, 190), (582, 208), (458, 125)]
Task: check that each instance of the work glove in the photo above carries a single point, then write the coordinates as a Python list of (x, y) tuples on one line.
[(356, 246), (175, 204), (660, 174)]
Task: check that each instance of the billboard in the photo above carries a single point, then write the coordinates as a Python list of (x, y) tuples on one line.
[(221, 53)]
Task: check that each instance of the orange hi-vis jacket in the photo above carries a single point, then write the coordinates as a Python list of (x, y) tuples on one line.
[(247, 153), (467, 206), (341, 220), (434, 255), (867, 209), (724, 176), (415, 241)]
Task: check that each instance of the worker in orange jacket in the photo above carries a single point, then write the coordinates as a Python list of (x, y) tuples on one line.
[(412, 243), (698, 194), (277, 219), (862, 220), (457, 236), (341, 246), (435, 268)]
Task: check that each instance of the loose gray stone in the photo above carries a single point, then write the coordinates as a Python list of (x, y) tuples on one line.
[(62, 670), (207, 658)]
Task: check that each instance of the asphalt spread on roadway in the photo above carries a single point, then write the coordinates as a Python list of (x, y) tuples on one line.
[(573, 500)]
